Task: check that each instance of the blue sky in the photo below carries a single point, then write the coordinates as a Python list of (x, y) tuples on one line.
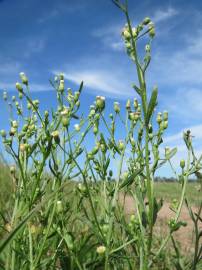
[(81, 38)]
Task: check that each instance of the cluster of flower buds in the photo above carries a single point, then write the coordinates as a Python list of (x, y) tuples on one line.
[(162, 120), (100, 103), (130, 34)]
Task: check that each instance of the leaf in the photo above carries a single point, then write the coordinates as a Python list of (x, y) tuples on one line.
[(171, 153), (137, 89), (130, 179), (152, 105), (119, 5), (81, 87), (15, 231)]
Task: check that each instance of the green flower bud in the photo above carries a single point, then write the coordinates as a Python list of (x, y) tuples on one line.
[(77, 127), (159, 118), (29, 106), (61, 76), (59, 207), (165, 124), (101, 250), (121, 145), (5, 96), (12, 169), (13, 98), (182, 163), (55, 134), (135, 33), (19, 87), (14, 124), (3, 133), (61, 86), (12, 131), (147, 48), (24, 78), (128, 104), (135, 103), (95, 129), (146, 20), (152, 32), (100, 102), (116, 107), (165, 116)]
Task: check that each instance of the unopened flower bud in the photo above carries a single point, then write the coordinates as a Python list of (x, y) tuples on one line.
[(165, 116), (14, 124), (3, 133), (165, 124), (146, 20), (147, 48), (121, 145), (116, 107), (100, 102), (128, 104), (135, 103), (59, 207), (24, 78), (5, 96), (77, 127), (101, 250), (61, 86), (159, 118), (182, 163), (12, 169), (55, 134)]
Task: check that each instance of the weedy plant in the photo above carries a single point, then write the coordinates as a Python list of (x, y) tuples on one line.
[(66, 210)]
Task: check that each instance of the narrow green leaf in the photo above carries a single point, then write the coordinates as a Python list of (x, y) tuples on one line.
[(152, 105), (130, 179), (137, 89)]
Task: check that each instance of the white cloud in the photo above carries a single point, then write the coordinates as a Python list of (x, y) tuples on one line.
[(162, 15), (102, 80)]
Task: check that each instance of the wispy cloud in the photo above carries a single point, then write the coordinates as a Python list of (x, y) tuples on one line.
[(99, 80), (164, 14)]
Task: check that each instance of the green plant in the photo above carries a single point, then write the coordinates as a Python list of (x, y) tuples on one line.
[(56, 222)]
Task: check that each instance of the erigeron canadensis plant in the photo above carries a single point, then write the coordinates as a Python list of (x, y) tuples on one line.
[(66, 211)]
